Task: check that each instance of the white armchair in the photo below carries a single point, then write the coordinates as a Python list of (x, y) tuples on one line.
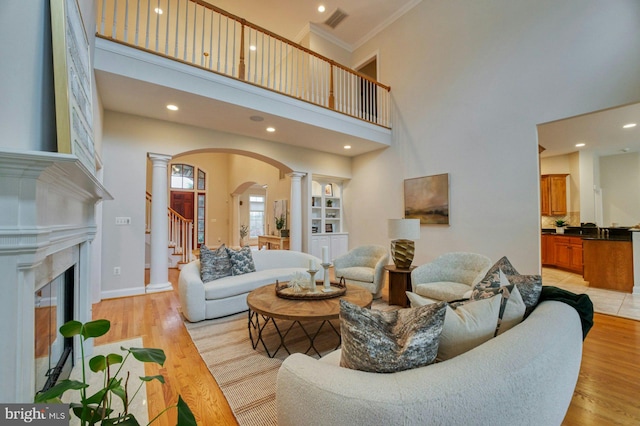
[(450, 275), (363, 266)]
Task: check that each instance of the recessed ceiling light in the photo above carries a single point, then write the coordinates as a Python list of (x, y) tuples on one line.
[(252, 48), (256, 118), (321, 8), (271, 129), (347, 147), (580, 145), (172, 107), (630, 125), (158, 10)]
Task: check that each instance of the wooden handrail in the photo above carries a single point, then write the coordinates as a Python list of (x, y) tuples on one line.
[(289, 68), (179, 215)]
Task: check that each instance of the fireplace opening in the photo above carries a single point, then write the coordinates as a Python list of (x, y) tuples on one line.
[(54, 306)]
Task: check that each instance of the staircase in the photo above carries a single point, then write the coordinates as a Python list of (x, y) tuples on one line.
[(180, 245)]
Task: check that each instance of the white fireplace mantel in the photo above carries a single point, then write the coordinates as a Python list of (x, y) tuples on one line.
[(47, 207)]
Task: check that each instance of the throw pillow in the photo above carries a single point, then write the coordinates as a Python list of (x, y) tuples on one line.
[(214, 264), (241, 260), (512, 308), (470, 324), (529, 286), (387, 342)]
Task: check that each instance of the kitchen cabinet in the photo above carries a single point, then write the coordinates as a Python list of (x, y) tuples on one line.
[(553, 195), (609, 264), (568, 253), (548, 250)]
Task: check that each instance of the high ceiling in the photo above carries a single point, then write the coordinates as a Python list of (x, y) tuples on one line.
[(290, 18), (600, 131)]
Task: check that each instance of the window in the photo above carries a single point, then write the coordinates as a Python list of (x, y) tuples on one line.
[(201, 176), (182, 176), (256, 215), (200, 219)]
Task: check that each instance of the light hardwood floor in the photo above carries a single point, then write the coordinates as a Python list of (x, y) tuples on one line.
[(606, 393)]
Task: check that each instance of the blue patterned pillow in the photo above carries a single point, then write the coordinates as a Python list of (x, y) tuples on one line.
[(214, 264), (241, 261)]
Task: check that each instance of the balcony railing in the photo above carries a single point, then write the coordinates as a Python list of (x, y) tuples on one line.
[(207, 37)]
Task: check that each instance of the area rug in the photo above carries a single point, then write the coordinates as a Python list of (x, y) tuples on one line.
[(138, 406), (247, 377)]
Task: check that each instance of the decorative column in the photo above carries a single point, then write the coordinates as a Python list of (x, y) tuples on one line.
[(159, 273), (235, 219), (295, 211)]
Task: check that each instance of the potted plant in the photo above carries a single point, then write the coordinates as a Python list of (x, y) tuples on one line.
[(97, 408), (244, 231), (280, 222), (560, 224)]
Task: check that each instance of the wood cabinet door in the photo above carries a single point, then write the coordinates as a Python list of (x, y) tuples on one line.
[(548, 250), (545, 190), (563, 255), (558, 195), (576, 257)]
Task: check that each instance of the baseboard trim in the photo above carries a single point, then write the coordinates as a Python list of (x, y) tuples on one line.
[(125, 292)]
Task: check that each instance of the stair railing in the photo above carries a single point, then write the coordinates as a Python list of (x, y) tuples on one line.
[(180, 231), (180, 235), (205, 36)]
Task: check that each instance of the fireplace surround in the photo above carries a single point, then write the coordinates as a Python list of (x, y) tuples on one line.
[(47, 224)]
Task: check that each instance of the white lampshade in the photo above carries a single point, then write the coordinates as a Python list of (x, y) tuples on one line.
[(404, 229)]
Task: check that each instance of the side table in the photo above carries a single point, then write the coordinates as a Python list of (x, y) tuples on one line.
[(399, 283)]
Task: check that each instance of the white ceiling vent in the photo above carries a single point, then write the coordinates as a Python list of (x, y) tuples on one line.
[(335, 18)]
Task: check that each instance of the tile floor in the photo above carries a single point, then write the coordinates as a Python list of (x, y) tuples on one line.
[(604, 301)]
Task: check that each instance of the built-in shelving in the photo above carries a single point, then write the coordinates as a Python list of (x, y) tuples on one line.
[(327, 227)]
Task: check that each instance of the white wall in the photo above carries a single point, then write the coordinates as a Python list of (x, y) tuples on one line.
[(620, 182), (126, 141), (469, 83)]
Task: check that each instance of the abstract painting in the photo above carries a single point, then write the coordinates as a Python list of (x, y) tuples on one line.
[(427, 198)]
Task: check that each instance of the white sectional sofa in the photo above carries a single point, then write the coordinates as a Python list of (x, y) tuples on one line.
[(228, 295), (525, 376)]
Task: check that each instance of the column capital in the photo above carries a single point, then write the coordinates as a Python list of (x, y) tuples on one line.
[(154, 157), (296, 175)]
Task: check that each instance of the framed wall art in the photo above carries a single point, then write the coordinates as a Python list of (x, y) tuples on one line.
[(427, 198), (72, 83)]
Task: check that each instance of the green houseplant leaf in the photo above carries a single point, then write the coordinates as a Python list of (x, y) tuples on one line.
[(56, 391), (185, 416), (95, 328), (101, 362), (148, 355)]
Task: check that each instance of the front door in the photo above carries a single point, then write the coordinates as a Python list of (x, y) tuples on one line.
[(182, 203)]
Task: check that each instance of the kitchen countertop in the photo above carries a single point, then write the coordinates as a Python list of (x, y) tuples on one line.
[(626, 236)]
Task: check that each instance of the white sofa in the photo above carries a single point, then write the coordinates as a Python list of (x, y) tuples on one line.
[(228, 295), (525, 376)]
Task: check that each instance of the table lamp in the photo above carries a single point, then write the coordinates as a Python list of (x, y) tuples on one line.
[(402, 233)]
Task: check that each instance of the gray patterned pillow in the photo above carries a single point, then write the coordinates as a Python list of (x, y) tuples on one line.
[(529, 286), (386, 342), (241, 261), (214, 264), (512, 307)]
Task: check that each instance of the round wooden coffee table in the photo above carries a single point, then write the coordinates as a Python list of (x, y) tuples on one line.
[(265, 307)]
